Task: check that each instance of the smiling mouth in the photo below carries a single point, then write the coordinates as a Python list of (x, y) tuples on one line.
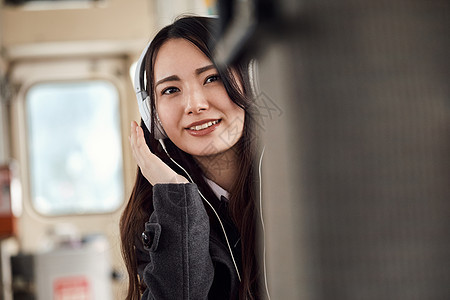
[(204, 125)]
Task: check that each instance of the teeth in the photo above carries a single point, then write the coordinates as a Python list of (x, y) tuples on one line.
[(204, 126)]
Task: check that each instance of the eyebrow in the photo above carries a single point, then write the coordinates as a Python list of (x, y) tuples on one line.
[(176, 78), (204, 69), (169, 78)]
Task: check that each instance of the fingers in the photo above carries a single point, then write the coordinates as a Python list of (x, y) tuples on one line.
[(141, 152), (152, 167), (135, 134), (133, 139)]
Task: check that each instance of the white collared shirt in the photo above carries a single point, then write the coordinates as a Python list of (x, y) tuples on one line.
[(217, 189)]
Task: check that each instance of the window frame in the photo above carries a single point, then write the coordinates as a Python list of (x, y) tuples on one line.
[(26, 145), (27, 71)]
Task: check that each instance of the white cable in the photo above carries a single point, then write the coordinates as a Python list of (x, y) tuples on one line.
[(226, 238), (262, 222), (217, 215)]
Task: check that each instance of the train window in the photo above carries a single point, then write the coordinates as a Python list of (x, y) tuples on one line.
[(75, 150)]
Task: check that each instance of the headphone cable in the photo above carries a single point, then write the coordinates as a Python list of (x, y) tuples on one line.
[(262, 221), (210, 205)]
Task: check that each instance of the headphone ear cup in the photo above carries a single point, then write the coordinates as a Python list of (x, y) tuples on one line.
[(146, 115), (144, 109), (143, 98)]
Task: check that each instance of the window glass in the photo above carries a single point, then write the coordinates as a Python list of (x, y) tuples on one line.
[(75, 150)]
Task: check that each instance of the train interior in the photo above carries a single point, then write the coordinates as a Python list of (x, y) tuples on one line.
[(353, 113)]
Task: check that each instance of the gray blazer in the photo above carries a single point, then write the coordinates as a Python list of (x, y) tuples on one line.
[(181, 257)]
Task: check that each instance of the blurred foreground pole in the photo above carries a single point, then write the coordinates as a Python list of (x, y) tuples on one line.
[(355, 113)]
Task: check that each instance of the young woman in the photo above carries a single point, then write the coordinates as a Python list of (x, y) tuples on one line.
[(189, 228)]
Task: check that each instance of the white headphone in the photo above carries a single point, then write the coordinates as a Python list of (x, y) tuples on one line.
[(143, 98)]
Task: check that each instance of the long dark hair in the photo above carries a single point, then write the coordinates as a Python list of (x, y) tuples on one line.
[(200, 32)]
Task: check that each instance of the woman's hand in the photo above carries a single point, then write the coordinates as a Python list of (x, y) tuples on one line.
[(152, 167)]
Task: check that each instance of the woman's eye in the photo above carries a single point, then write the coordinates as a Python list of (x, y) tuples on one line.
[(169, 91), (212, 78)]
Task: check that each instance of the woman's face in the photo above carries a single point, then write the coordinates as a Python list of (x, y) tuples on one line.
[(192, 103)]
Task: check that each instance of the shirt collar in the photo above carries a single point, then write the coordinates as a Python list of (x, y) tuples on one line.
[(217, 189)]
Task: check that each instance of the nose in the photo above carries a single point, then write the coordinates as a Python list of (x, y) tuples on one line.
[(196, 100)]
